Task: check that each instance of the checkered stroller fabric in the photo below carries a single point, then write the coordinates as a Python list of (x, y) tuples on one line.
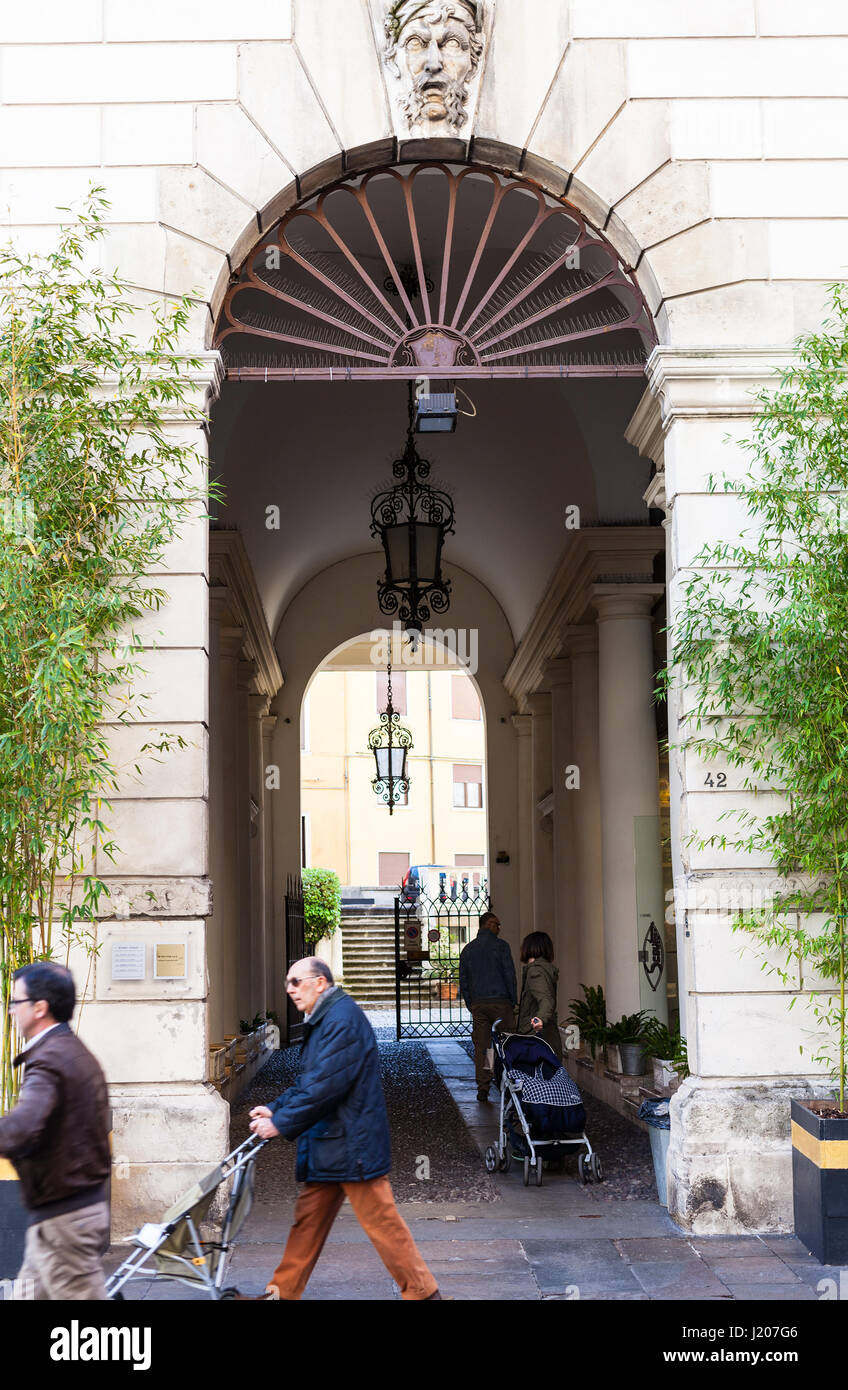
[(559, 1090)]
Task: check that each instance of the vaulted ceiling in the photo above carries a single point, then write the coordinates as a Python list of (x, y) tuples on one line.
[(319, 452)]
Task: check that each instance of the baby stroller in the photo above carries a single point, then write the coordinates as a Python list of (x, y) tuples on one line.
[(541, 1110), (173, 1248)]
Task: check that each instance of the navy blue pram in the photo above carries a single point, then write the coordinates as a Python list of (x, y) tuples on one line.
[(540, 1109)]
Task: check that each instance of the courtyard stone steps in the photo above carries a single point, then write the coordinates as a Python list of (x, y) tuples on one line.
[(368, 955)]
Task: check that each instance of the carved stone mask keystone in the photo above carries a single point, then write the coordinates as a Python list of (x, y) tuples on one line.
[(433, 49)]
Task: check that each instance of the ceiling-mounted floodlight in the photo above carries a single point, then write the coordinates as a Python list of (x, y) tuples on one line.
[(435, 411)]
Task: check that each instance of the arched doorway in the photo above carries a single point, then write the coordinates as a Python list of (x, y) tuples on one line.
[(412, 859), (468, 277)]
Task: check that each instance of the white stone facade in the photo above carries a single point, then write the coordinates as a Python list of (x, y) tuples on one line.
[(710, 145)]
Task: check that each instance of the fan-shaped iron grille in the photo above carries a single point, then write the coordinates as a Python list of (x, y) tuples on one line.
[(434, 270)]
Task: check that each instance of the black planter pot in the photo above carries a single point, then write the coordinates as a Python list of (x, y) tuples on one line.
[(820, 1182), (13, 1222)]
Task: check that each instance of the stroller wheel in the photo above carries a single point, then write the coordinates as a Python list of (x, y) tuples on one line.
[(491, 1159), (581, 1169), (597, 1170), (538, 1172), (526, 1172)]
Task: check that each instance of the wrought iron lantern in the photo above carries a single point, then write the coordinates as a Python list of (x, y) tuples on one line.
[(412, 520), (390, 742)]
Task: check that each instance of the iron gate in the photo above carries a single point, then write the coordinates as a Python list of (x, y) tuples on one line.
[(430, 932), (295, 950)]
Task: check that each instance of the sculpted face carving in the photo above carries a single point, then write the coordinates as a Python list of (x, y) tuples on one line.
[(434, 47)]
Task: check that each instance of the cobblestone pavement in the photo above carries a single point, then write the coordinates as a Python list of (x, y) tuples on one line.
[(556, 1242)]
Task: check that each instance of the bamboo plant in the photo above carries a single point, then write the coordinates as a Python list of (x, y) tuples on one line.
[(760, 657), (93, 486)]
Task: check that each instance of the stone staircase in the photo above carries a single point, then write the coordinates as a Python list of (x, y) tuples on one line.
[(368, 955)]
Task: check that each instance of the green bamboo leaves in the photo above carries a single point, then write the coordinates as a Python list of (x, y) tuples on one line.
[(759, 652), (94, 483)]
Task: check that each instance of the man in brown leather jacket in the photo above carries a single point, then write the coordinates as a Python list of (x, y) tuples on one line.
[(57, 1138)]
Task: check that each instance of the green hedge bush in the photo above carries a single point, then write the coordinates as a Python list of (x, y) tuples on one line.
[(322, 904)]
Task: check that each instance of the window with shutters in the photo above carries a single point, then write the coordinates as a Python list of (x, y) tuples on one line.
[(468, 785), (393, 868)]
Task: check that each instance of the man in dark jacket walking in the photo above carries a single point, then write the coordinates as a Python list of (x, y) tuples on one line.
[(487, 986), (57, 1137), (337, 1113)]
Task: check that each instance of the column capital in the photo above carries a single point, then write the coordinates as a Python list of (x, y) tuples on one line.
[(558, 673), (257, 706), (694, 383), (248, 672), (269, 724), (645, 430), (612, 601), (522, 724), (655, 497)]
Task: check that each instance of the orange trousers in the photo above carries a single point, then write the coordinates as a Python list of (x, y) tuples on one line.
[(318, 1206)]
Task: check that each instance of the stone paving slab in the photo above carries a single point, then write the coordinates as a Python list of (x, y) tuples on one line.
[(684, 1276), (656, 1249), (772, 1293), (753, 1270), (560, 1264), (715, 1247)]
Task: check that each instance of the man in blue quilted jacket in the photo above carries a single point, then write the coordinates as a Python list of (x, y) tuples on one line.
[(337, 1113)]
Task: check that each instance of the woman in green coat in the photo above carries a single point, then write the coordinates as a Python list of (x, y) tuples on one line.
[(537, 1006)]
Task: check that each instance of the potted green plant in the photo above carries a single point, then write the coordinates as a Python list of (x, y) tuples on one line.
[(93, 487), (763, 659), (661, 1045), (628, 1036), (589, 1016)]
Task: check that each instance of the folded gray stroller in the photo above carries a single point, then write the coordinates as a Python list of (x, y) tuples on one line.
[(174, 1249)]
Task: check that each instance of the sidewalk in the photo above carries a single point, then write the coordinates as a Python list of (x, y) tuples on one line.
[(550, 1243)]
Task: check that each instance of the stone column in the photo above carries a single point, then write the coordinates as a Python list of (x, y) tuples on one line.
[(272, 988), (151, 1034), (542, 820), (582, 647), (522, 723), (632, 871), (258, 710), (241, 794), (224, 923), (730, 1155), (565, 933)]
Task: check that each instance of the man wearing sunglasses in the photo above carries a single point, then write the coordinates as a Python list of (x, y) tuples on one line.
[(337, 1113), (57, 1138)]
